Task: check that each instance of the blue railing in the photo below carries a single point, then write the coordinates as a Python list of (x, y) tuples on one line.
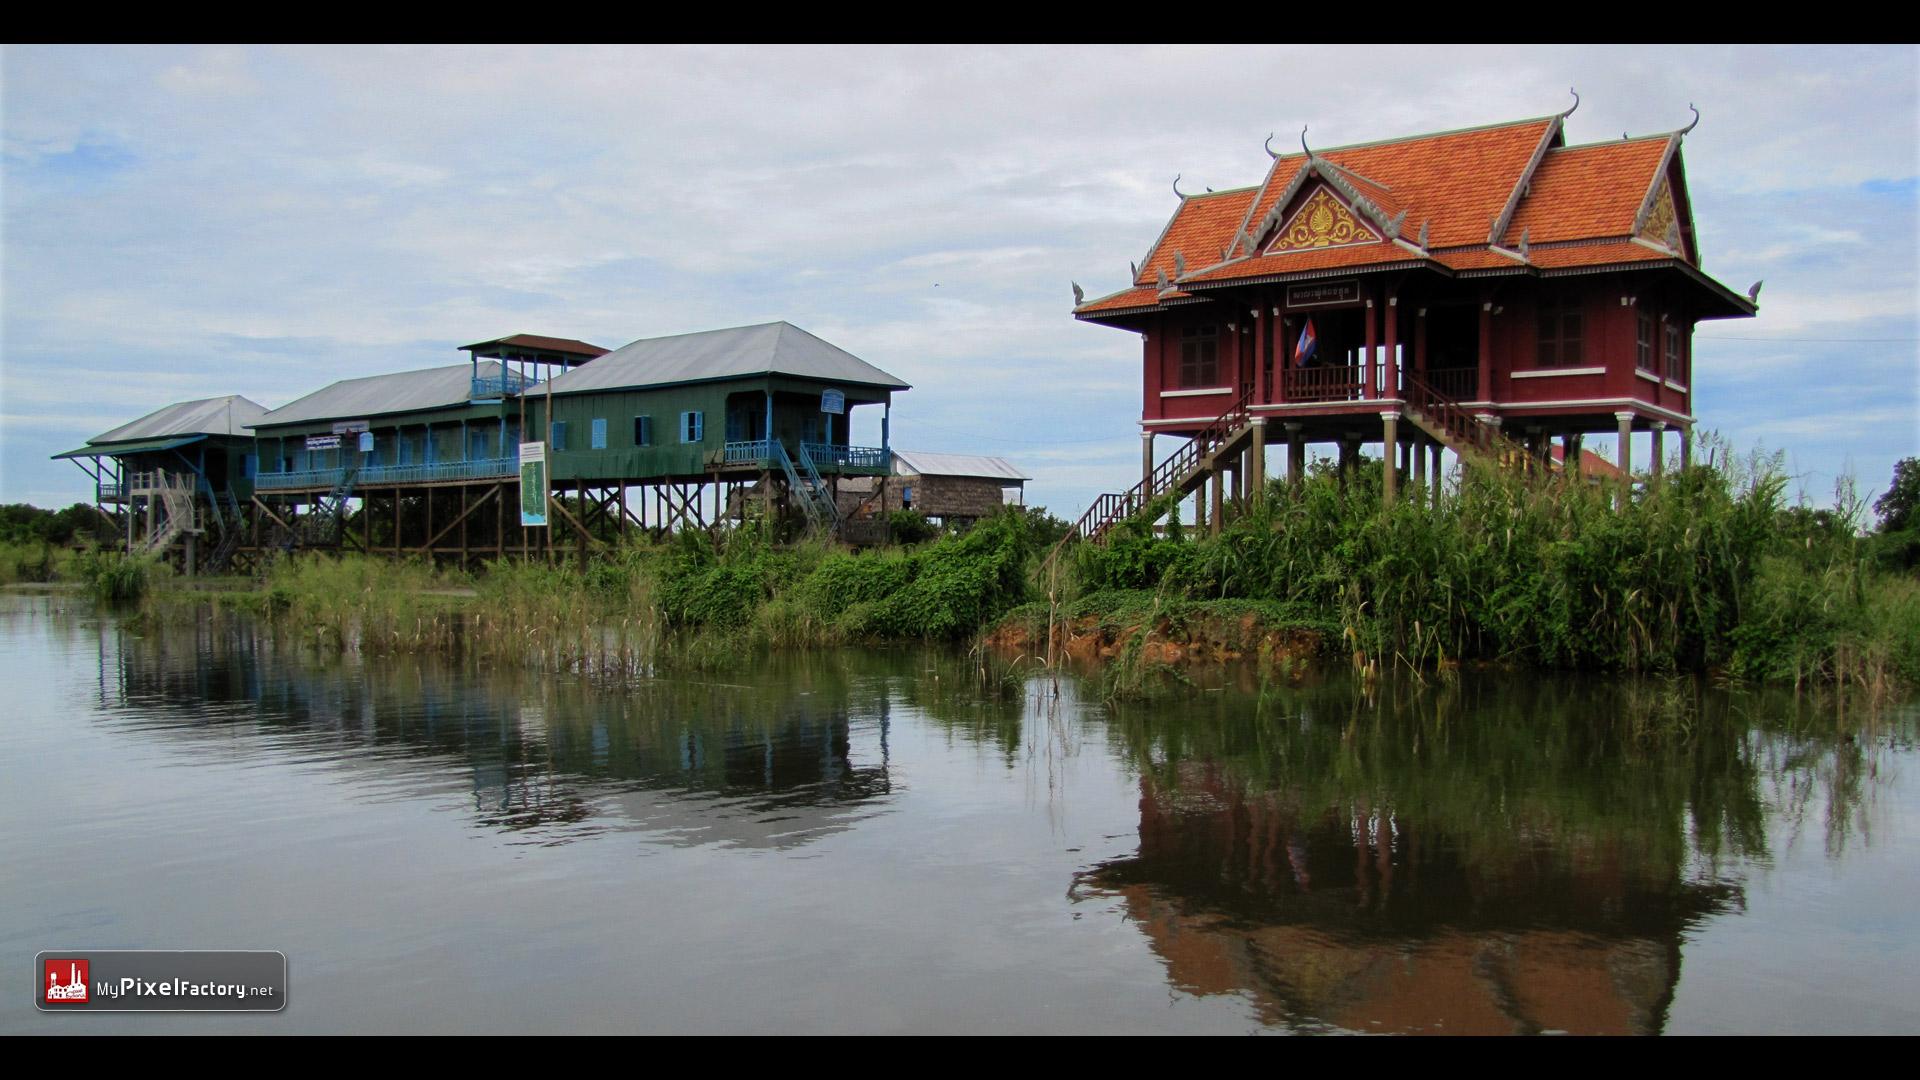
[(490, 386), (851, 457), (757, 452), (382, 475)]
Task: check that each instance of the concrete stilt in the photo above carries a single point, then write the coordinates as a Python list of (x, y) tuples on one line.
[(1686, 447), (1146, 459), (1219, 498), (1296, 455), (1257, 462), (1659, 463), (1626, 443), (1391, 457)]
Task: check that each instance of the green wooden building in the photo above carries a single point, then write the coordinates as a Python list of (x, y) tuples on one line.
[(768, 403), (175, 475)]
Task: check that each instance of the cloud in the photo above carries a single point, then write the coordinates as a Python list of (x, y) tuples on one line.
[(183, 222)]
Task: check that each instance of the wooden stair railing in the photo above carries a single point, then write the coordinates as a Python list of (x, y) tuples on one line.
[(1175, 472)]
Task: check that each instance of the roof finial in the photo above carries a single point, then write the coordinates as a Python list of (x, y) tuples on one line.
[(1696, 120), (1133, 272), (1176, 187), (1576, 103), (1079, 294), (1303, 142), (1269, 146), (1753, 292), (1423, 234)]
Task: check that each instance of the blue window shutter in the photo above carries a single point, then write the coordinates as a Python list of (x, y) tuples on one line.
[(599, 433), (252, 467), (557, 435), (643, 431), (691, 425)]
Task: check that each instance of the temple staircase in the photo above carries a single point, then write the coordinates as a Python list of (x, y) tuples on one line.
[(1184, 472)]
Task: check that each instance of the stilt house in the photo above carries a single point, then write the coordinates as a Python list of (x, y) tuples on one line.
[(1480, 291), (176, 473)]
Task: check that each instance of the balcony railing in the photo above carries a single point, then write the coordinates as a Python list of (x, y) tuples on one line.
[(826, 456), (110, 491), (492, 386), (383, 475), (1460, 384), (1322, 384), (754, 452)]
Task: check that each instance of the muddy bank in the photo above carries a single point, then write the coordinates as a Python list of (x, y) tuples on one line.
[(1192, 633)]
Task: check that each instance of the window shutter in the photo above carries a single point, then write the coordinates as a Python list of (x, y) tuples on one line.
[(557, 435), (643, 431), (251, 467), (599, 433), (691, 425)]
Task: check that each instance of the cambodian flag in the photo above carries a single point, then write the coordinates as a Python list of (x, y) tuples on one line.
[(1303, 352)]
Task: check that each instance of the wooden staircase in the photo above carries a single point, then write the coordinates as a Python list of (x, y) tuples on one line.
[(1453, 426), (1183, 472)]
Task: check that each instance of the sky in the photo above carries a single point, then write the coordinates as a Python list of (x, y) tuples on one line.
[(186, 222)]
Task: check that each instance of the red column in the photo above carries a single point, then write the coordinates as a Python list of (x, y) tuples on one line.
[(1484, 392), (1262, 351), (1153, 365), (1392, 359), (1373, 339)]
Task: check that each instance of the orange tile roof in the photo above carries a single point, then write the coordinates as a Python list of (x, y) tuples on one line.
[(1582, 192), (1454, 184), (1127, 298), (1294, 262), (1199, 227), (1459, 180), (1625, 251)]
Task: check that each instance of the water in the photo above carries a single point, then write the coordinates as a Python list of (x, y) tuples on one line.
[(875, 842)]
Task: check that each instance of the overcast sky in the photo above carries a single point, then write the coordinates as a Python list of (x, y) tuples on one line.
[(187, 222)]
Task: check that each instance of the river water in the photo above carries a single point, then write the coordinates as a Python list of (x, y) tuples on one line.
[(889, 841)]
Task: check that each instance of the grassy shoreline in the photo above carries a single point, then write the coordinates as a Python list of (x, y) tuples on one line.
[(1709, 571)]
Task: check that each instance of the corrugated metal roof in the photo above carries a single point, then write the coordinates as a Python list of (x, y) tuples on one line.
[(777, 348), (382, 395), (136, 446), (916, 462), (230, 415)]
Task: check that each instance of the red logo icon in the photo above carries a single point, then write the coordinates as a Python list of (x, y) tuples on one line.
[(66, 982)]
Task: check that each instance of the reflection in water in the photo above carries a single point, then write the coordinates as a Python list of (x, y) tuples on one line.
[(800, 755), (1503, 853), (1523, 857)]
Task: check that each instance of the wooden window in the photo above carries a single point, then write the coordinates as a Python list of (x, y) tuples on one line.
[(599, 433), (1562, 330), (1676, 353), (643, 431), (1643, 344), (1199, 356), (692, 426), (557, 435)]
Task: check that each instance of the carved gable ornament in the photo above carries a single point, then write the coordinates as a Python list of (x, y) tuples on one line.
[(1663, 218), (1321, 222)]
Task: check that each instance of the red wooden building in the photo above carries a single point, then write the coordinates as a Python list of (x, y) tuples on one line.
[(1467, 290)]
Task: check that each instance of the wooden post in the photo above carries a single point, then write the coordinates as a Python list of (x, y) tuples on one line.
[(396, 524), (500, 521), (1420, 341), (466, 525), (1439, 477), (1418, 452), (1391, 439), (580, 527)]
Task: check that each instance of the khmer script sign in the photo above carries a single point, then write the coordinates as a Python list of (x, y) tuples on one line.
[(1323, 292), (833, 401)]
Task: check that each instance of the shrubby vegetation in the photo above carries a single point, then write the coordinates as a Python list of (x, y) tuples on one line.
[(1706, 570), (1709, 570)]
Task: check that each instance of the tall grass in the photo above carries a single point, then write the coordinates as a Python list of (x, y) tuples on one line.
[(1708, 569)]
